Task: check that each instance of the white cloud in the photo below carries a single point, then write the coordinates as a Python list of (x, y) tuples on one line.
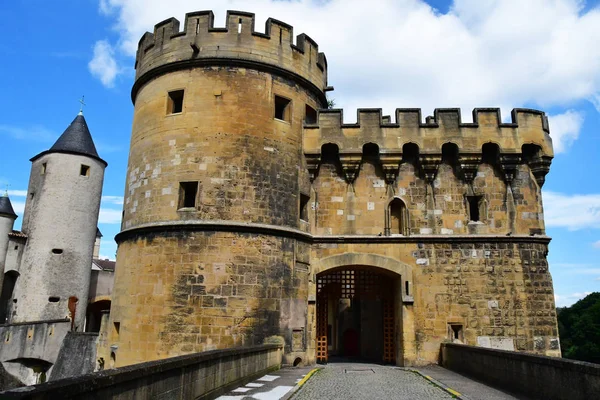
[(113, 199), (569, 299), (18, 206), (573, 212), (104, 257), (103, 65), (565, 129), (596, 244), (36, 133), (109, 216), (402, 53), (17, 193)]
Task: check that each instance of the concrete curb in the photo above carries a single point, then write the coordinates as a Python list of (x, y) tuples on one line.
[(439, 384), (299, 384)]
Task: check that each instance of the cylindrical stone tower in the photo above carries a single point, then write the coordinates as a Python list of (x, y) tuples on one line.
[(212, 252), (7, 221), (60, 220)]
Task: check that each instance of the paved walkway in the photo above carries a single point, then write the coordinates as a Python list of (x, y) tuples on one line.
[(350, 381), (465, 386), (273, 386)]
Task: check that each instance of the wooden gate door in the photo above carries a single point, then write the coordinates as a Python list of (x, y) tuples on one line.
[(322, 319), (389, 348)]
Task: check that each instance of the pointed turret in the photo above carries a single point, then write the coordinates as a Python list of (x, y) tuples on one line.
[(60, 220), (76, 139), (6, 209), (7, 221)]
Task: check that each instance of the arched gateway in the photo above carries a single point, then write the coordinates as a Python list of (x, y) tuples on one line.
[(359, 307)]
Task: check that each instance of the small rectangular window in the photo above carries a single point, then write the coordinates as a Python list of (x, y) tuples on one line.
[(406, 288), (310, 116), (43, 168), (117, 326), (282, 109), (85, 170), (455, 333), (474, 203), (187, 194), (175, 102), (304, 199)]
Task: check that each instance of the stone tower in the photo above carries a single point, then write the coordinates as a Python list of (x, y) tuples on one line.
[(60, 221), (207, 256), (7, 221), (249, 216)]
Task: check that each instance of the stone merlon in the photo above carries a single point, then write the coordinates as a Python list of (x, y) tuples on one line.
[(201, 44)]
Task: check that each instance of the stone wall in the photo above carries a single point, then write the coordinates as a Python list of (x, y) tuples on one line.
[(77, 356), (536, 377), (199, 291), (494, 289), (29, 350), (196, 376), (60, 199)]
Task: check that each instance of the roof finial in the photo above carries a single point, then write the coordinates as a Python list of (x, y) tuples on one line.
[(6, 191), (82, 105)]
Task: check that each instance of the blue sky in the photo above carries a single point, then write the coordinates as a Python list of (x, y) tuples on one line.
[(394, 53)]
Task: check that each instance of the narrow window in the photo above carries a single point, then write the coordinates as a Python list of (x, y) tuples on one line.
[(197, 26), (57, 251), (117, 326), (397, 217), (455, 332), (16, 247), (310, 116), (85, 170), (280, 35), (406, 288), (43, 168), (304, 199), (175, 102), (187, 194), (474, 202), (53, 299), (282, 108), (240, 26)]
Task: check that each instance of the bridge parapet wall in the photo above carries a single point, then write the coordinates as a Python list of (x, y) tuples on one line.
[(201, 375), (536, 377)]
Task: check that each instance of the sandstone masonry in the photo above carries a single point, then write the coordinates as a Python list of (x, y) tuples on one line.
[(244, 191)]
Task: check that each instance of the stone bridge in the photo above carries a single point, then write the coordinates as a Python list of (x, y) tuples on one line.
[(465, 372)]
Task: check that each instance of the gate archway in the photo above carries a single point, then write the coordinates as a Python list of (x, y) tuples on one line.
[(356, 315)]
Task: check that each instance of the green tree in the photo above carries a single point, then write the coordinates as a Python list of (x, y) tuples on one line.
[(579, 328)]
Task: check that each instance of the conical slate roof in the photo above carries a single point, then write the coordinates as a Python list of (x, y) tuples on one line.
[(6, 209), (76, 139)]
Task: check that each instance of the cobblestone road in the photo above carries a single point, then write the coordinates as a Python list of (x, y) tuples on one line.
[(367, 381)]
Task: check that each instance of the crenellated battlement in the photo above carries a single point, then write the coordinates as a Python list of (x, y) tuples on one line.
[(200, 43), (525, 139)]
